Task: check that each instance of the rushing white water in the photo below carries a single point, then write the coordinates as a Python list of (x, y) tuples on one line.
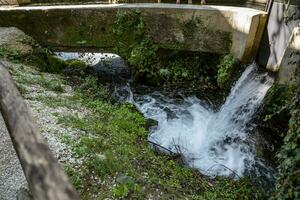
[(214, 142), (89, 58)]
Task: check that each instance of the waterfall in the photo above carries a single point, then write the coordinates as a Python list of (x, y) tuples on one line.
[(214, 142)]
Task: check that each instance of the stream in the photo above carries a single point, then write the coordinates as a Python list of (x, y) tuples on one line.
[(217, 142)]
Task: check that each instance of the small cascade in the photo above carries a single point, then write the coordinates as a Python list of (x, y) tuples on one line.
[(214, 142)]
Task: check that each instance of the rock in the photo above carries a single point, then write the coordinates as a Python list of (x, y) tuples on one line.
[(111, 68), (151, 123), (14, 43), (123, 179)]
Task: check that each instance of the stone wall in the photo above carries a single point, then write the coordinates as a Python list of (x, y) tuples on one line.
[(8, 2), (258, 4), (211, 29), (14, 2), (289, 65)]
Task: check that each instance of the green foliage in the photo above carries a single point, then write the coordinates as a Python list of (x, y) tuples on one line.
[(36, 79), (116, 148), (77, 65), (74, 176), (143, 57), (125, 187), (276, 111), (55, 64), (128, 30), (226, 71), (288, 183), (9, 53), (197, 69), (278, 101), (155, 66), (241, 189), (90, 87)]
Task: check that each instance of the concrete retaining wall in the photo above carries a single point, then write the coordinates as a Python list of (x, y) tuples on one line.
[(289, 65), (14, 2), (276, 38), (212, 29), (8, 2), (257, 4)]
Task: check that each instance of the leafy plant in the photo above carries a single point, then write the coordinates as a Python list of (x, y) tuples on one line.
[(288, 183), (226, 71)]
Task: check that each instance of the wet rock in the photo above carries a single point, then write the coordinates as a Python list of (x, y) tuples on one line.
[(123, 179), (151, 123), (110, 68)]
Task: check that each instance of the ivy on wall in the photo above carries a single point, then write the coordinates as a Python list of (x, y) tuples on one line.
[(288, 183)]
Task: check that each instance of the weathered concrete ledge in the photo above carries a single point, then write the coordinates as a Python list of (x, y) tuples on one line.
[(213, 29), (289, 65)]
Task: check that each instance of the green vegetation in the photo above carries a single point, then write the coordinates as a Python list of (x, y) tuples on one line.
[(281, 120), (48, 62), (226, 71), (113, 158), (153, 65), (8, 53), (288, 184), (116, 149), (111, 145), (276, 113), (40, 79)]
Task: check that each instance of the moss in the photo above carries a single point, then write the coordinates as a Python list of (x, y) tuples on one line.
[(55, 64), (77, 64)]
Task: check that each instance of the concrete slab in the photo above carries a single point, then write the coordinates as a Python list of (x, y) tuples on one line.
[(289, 65), (215, 29)]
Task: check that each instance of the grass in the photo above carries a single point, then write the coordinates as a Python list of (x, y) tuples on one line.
[(39, 78), (116, 148)]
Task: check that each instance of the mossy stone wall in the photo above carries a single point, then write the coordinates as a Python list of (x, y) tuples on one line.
[(195, 29)]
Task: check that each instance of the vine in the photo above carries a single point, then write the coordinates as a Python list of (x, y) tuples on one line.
[(288, 183)]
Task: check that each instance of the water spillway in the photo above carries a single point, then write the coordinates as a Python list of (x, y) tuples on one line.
[(214, 142)]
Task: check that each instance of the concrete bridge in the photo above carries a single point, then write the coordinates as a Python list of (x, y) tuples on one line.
[(212, 29)]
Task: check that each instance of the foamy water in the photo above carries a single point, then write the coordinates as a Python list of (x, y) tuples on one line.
[(214, 142)]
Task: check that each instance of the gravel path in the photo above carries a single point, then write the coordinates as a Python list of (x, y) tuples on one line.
[(13, 184), (12, 179)]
